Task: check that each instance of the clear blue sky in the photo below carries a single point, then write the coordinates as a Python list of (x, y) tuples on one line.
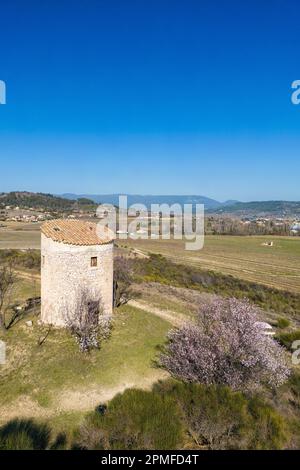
[(151, 97)]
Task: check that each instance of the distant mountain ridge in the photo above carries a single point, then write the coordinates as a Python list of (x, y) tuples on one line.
[(147, 200), (212, 206), (262, 208), (69, 201)]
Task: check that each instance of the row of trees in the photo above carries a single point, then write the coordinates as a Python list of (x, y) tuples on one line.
[(226, 225), (234, 226)]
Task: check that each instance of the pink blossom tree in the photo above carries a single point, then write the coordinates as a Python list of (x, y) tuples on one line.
[(226, 346)]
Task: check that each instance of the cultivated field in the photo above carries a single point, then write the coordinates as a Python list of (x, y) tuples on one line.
[(243, 257), (18, 235)]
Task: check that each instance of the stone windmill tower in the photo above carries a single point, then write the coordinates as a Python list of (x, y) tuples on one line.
[(74, 257)]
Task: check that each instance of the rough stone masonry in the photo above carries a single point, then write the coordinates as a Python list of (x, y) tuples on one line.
[(74, 258)]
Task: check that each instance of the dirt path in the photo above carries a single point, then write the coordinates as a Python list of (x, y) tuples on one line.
[(174, 318), (87, 399), (83, 399)]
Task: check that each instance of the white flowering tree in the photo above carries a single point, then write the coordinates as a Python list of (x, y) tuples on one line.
[(226, 346)]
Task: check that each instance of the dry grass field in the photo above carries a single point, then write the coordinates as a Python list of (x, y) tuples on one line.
[(18, 235)]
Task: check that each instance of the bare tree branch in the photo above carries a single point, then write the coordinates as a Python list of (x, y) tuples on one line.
[(87, 320), (7, 281)]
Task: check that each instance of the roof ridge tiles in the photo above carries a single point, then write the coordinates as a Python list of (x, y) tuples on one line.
[(76, 232)]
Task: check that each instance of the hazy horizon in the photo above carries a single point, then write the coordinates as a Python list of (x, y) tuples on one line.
[(85, 194), (151, 97)]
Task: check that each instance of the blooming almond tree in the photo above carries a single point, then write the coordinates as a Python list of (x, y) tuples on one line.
[(226, 346)]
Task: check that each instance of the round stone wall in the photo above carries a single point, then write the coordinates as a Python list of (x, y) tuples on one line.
[(67, 270)]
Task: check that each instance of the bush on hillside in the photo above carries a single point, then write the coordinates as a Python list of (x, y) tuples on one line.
[(136, 419), (24, 434), (267, 429), (218, 418), (30, 259), (287, 339), (294, 385), (174, 415), (283, 322)]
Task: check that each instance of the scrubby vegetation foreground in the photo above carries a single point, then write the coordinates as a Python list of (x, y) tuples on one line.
[(173, 415), (231, 386)]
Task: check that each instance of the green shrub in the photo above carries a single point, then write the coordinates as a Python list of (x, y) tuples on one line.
[(294, 430), (267, 431), (287, 339), (283, 322), (214, 416), (136, 419), (21, 434), (30, 259), (294, 386), (60, 442), (219, 418)]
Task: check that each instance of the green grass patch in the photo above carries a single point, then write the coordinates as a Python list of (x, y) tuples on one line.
[(41, 372), (282, 323), (287, 339)]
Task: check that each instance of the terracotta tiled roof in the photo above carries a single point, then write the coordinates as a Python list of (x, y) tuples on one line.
[(76, 232)]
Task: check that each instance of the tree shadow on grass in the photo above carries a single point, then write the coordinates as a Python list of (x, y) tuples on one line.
[(24, 434)]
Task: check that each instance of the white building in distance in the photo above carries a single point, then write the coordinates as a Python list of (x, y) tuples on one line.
[(74, 258)]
